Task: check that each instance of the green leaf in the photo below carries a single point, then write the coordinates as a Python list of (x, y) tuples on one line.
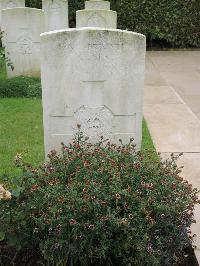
[(2, 236), (17, 191)]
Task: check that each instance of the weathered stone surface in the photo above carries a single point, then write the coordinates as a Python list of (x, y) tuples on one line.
[(56, 14), (4, 4), (22, 27), (97, 5), (96, 18), (96, 14), (93, 77)]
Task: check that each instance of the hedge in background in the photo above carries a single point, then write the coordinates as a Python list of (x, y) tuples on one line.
[(174, 21), (20, 87)]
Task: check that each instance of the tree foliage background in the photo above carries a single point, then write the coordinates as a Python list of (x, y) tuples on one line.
[(174, 22)]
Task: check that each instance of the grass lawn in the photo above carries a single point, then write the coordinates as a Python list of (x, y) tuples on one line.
[(21, 132), (147, 143)]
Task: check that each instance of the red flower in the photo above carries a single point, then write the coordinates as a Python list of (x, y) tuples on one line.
[(86, 163), (72, 222)]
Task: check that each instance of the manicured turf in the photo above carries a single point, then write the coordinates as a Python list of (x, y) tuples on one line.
[(21, 132), (147, 142)]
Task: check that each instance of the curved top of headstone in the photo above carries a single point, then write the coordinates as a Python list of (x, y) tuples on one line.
[(50, 34), (96, 14), (22, 9)]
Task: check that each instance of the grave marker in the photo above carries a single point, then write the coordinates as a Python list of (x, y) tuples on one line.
[(56, 14), (92, 77), (22, 27), (4, 4), (96, 14)]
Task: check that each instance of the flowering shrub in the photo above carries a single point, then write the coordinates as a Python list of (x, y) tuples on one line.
[(100, 204)]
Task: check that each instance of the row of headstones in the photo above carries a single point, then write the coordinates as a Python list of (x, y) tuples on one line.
[(55, 12), (92, 75), (22, 27)]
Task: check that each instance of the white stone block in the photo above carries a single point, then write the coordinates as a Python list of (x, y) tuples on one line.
[(22, 27), (56, 14), (4, 4), (93, 77), (96, 18), (97, 5)]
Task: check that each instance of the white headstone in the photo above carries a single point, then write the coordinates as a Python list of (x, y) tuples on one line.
[(96, 14), (4, 4), (92, 77), (96, 4), (56, 14), (22, 28)]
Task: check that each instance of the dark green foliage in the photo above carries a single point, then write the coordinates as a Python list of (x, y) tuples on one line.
[(73, 7), (20, 87), (34, 90), (34, 3), (98, 205), (175, 22)]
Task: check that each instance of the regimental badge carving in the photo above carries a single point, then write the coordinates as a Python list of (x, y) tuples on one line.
[(94, 121), (25, 45), (96, 21)]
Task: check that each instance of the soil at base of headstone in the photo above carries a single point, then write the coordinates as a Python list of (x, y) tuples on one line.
[(162, 45), (190, 259), (34, 259)]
